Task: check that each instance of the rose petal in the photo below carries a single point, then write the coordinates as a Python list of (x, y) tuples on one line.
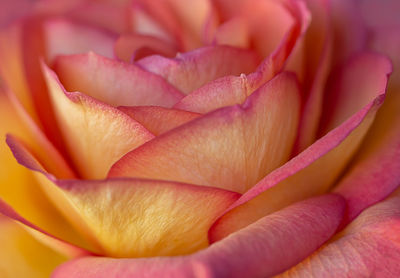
[(127, 46), (117, 216), (263, 249), (231, 148), (311, 172), (96, 134), (317, 56), (231, 90), (157, 119), (191, 70), (22, 256), (233, 32), (17, 185), (355, 86), (368, 247), (113, 82), (63, 37)]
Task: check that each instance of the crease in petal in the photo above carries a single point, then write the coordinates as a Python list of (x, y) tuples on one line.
[(230, 148), (158, 119)]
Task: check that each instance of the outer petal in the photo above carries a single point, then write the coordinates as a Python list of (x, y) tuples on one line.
[(22, 256), (231, 148), (96, 134), (17, 185), (191, 70), (368, 247), (113, 82), (265, 248), (135, 218), (157, 119), (311, 172)]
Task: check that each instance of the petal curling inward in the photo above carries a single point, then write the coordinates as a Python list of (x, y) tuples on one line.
[(96, 134), (114, 82), (231, 148), (311, 172), (368, 247), (22, 256), (157, 119), (191, 70), (264, 249), (63, 37)]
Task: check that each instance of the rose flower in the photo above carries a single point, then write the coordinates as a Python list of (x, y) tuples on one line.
[(202, 138)]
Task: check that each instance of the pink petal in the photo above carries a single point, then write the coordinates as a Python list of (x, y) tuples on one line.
[(263, 249), (191, 70), (113, 82), (96, 134), (233, 32), (311, 172), (368, 247), (157, 119), (63, 37), (247, 141)]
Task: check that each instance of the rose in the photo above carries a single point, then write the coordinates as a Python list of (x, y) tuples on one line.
[(207, 168)]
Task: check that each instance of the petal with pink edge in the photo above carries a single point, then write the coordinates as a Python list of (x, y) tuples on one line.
[(191, 70), (263, 249), (368, 247), (157, 119), (96, 134), (132, 217), (114, 82), (311, 172), (23, 256), (230, 148)]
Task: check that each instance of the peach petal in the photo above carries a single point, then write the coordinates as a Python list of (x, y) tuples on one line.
[(96, 134), (224, 91), (230, 90), (22, 256), (311, 172), (263, 249), (191, 70), (230, 148), (157, 119), (368, 247), (114, 82), (233, 32), (117, 216), (63, 37), (127, 46), (316, 66)]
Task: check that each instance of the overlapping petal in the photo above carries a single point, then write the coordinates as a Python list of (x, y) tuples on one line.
[(263, 249), (96, 134), (315, 169), (231, 148), (368, 247), (113, 82)]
